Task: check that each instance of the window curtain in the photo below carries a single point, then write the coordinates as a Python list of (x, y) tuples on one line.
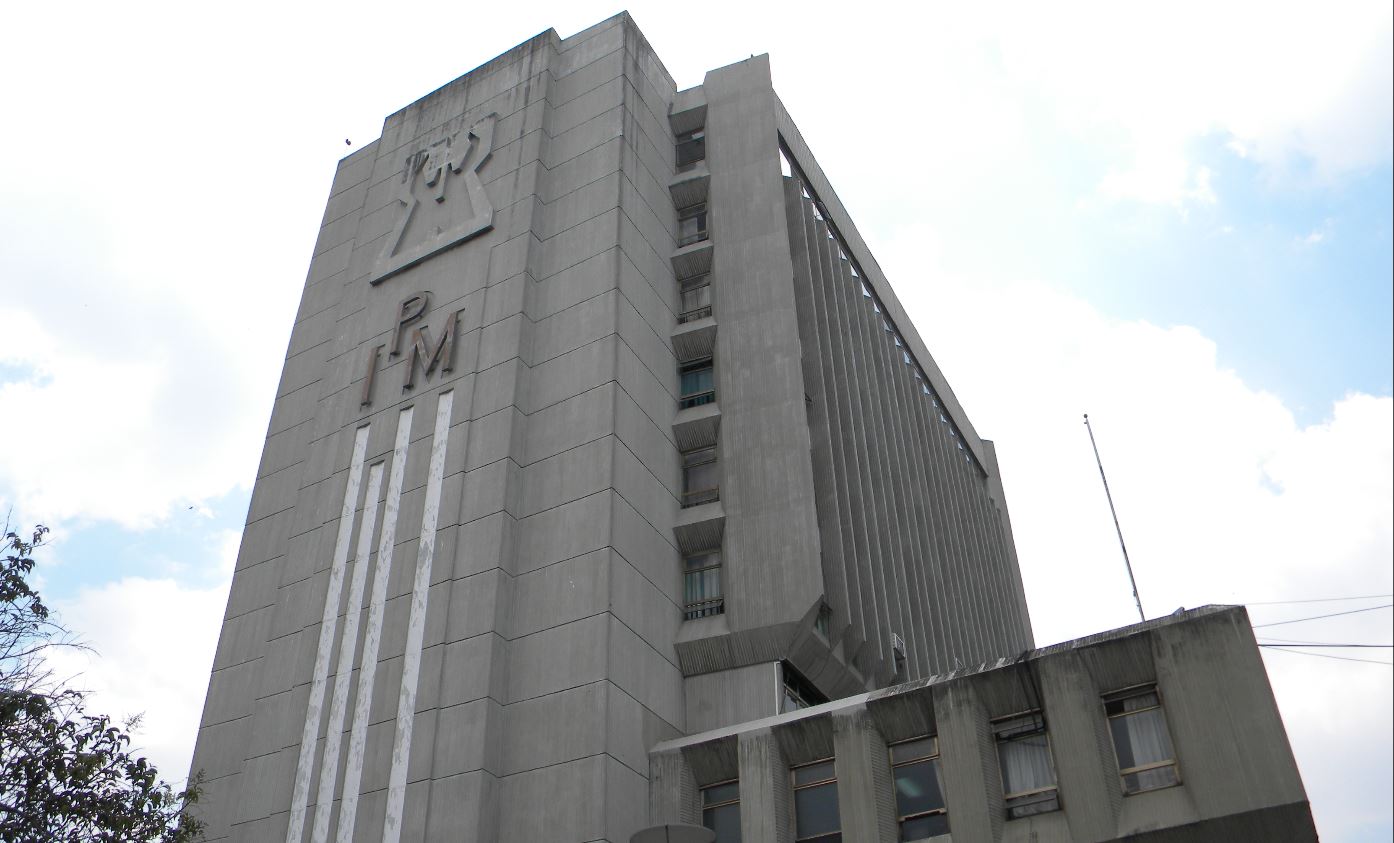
[(1026, 764)]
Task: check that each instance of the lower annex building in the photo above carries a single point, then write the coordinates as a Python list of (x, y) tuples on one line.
[(600, 429)]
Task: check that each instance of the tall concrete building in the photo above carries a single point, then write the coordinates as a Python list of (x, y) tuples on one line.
[(599, 428)]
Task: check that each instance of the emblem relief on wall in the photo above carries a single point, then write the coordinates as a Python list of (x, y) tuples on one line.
[(442, 201)]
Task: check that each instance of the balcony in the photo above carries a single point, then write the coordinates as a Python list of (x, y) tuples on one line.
[(694, 314), (701, 496), (697, 399)]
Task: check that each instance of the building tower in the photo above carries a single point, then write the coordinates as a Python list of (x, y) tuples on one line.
[(599, 427)]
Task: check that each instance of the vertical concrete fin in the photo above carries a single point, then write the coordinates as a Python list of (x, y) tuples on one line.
[(304, 768), (372, 635), (416, 623), (333, 735)]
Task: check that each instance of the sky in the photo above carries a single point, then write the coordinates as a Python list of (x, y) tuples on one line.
[(1176, 218)]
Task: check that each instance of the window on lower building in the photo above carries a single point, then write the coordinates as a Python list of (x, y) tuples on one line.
[(692, 224), (700, 482), (696, 384), (815, 803), (721, 810), (919, 802), (1146, 760), (701, 585), (696, 298), (1028, 773), (691, 149)]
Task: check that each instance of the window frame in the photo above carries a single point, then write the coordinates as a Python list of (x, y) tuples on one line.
[(795, 787), (705, 806), (697, 211), (691, 140), (1173, 762), (688, 400), (1023, 797), (705, 608), (934, 758), (692, 285), (697, 497)]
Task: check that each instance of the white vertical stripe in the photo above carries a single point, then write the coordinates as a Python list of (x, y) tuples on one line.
[(305, 766), (372, 635), (416, 624), (334, 734)]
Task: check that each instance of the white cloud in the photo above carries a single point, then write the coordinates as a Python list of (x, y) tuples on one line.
[(154, 641)]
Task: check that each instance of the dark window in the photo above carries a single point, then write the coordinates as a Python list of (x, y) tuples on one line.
[(691, 149), (798, 691), (692, 224), (696, 384), (1146, 760), (721, 811), (700, 483), (696, 298), (701, 585), (919, 802), (824, 622), (815, 803), (1028, 773)]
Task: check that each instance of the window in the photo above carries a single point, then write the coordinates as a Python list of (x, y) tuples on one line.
[(696, 299), (696, 385), (1146, 760), (824, 622), (692, 224), (699, 477), (919, 803), (1028, 774), (691, 149), (701, 585), (721, 810), (815, 803), (798, 692)]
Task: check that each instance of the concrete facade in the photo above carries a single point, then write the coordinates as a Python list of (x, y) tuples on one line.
[(459, 608), (1236, 778)]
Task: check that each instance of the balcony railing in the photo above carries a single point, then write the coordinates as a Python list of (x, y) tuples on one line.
[(694, 314), (696, 399), (700, 496), (704, 608), (695, 237)]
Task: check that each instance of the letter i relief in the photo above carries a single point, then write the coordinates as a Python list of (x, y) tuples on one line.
[(368, 377)]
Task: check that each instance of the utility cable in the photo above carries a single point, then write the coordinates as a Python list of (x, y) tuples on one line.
[(1341, 646), (1316, 600), (1319, 617), (1281, 649)]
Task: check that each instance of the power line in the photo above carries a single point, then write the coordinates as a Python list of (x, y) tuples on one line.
[(1316, 600), (1342, 646), (1301, 641), (1281, 649), (1319, 617)]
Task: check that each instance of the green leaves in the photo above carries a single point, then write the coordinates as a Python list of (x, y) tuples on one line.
[(67, 775)]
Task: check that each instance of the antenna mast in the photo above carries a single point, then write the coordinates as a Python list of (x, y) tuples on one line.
[(1109, 495)]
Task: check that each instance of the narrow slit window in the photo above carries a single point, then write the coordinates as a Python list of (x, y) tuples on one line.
[(700, 478), (702, 585), (691, 149), (696, 384), (692, 225)]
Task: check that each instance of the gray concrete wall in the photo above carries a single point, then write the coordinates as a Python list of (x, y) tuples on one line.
[(915, 540), (1238, 779), (527, 604)]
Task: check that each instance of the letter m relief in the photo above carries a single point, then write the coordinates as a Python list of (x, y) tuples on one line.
[(427, 358)]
